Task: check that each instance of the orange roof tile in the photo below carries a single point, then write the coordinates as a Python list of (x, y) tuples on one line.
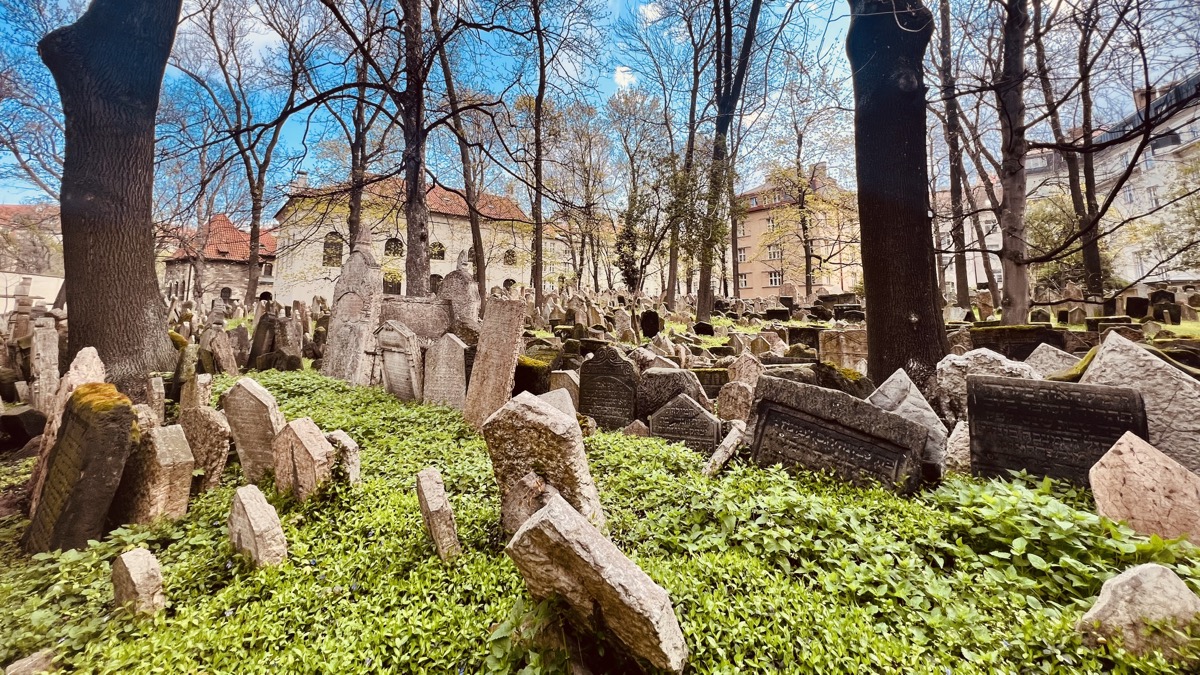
[(441, 200), (224, 242)]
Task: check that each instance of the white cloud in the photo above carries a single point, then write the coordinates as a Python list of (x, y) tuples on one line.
[(650, 12), (624, 77)]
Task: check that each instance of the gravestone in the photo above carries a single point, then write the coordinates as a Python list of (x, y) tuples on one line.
[(1076, 316), (844, 348), (492, 374), (1047, 360), (900, 396), (437, 514), (346, 456), (196, 392), (1135, 483), (650, 323), (354, 317), (429, 318), (1039, 315), (608, 389), (156, 397), (727, 449), (711, 380), (254, 421), (157, 480), (254, 528), (528, 434), (399, 354), (1055, 429), (445, 381), (43, 369), (137, 582), (82, 470), (568, 380), (460, 289), (207, 433), (683, 419), (659, 385), (809, 427), (1137, 307), (303, 458), (745, 368), (1147, 608)]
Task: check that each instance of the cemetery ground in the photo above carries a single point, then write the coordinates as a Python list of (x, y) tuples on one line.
[(767, 571)]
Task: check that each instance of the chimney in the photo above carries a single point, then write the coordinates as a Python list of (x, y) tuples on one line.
[(300, 181), (1143, 96), (820, 171)]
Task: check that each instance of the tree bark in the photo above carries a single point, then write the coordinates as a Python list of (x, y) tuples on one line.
[(416, 209), (1010, 98), (953, 131), (886, 46), (109, 67), (539, 104)]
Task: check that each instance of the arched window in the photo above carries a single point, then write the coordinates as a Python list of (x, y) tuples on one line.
[(509, 283), (435, 283), (393, 248), (332, 255), (510, 257), (437, 251), (264, 296), (471, 255), (392, 284), (268, 270), (226, 293)]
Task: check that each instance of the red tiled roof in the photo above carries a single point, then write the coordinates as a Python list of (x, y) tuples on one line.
[(44, 216), (441, 201), (224, 242)]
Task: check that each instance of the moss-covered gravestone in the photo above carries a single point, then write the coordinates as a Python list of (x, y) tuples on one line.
[(83, 469)]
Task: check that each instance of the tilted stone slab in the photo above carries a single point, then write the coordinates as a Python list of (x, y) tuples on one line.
[(1135, 483), (683, 419), (437, 514), (1134, 600), (809, 427), (254, 420), (494, 370), (559, 553), (1047, 359), (254, 528), (303, 458), (83, 470), (899, 395), (208, 435), (727, 449), (157, 480), (346, 455), (137, 582), (446, 372), (608, 389), (528, 434), (1055, 429), (1172, 398)]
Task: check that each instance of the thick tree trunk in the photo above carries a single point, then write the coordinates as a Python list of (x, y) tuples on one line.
[(256, 213), (886, 46), (109, 67), (1010, 96), (416, 210)]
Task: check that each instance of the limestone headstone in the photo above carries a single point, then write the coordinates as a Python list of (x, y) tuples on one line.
[(401, 368), (207, 432), (254, 421), (354, 318), (157, 480), (735, 400), (1047, 359), (958, 448), (437, 514), (727, 449), (1136, 602), (950, 384), (445, 381), (899, 395), (567, 380), (1135, 483), (659, 385), (137, 582), (254, 528), (494, 369), (303, 458), (156, 397), (745, 368), (683, 419), (560, 554), (527, 496), (346, 454), (608, 389)]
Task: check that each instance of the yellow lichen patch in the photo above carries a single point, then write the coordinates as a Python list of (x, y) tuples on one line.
[(99, 397), (530, 362), (176, 339), (1075, 372)]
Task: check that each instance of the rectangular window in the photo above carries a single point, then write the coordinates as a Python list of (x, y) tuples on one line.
[(1152, 195), (753, 202), (1127, 194), (743, 281), (742, 254), (1148, 162), (770, 224), (774, 278), (741, 229), (774, 252)]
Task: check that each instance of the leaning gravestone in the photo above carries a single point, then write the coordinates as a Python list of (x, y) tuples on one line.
[(735, 400), (608, 389), (1055, 429), (899, 395), (1172, 398), (399, 351), (657, 386), (208, 434), (560, 554), (254, 421), (83, 470), (494, 369), (303, 458), (683, 419), (650, 323), (355, 315), (254, 528), (1047, 360), (809, 427), (1135, 483), (437, 514), (157, 480), (528, 434), (446, 372)]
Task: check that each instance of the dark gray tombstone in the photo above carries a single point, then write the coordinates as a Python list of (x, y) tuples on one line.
[(1055, 429), (651, 324), (1137, 307), (608, 389), (683, 419), (1161, 295), (809, 427)]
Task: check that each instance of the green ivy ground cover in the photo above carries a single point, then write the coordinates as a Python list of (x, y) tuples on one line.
[(768, 572)]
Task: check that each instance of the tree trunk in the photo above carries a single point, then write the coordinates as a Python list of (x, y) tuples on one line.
[(886, 46), (539, 103), (109, 67), (1010, 97), (256, 211), (416, 210), (952, 129), (981, 243)]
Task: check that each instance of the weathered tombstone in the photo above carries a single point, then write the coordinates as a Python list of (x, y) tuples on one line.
[(207, 432), (568, 380), (727, 449), (82, 469), (254, 421), (950, 385), (35, 664), (1136, 605), (636, 428), (958, 448), (1047, 360), (492, 374), (156, 397), (809, 427), (683, 419), (157, 480), (844, 349), (303, 458), (137, 582), (560, 399), (437, 514), (399, 352), (608, 389), (745, 368), (1055, 429), (560, 554), (735, 400), (1172, 398), (1135, 483), (898, 395), (527, 496), (1039, 315), (659, 385), (196, 392), (650, 323), (528, 434), (445, 380), (460, 289), (254, 528), (354, 317), (43, 369)]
